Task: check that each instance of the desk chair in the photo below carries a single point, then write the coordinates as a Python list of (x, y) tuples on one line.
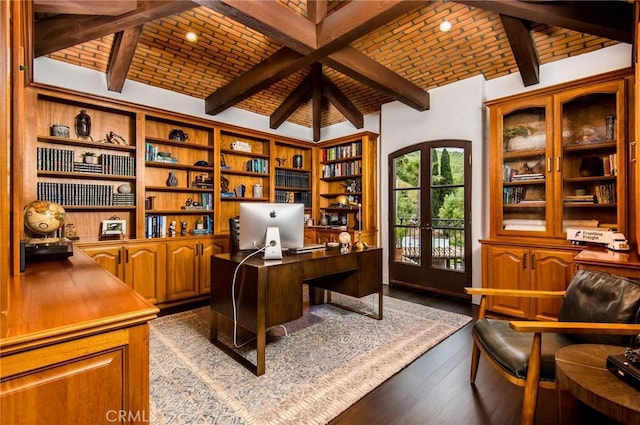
[(234, 233), (597, 308)]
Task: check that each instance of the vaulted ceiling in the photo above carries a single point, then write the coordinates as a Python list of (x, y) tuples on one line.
[(317, 62)]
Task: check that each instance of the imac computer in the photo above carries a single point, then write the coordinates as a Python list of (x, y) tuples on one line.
[(273, 226)]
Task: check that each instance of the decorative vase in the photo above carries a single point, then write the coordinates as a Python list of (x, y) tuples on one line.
[(83, 125), (591, 166), (297, 161), (324, 220), (172, 180)]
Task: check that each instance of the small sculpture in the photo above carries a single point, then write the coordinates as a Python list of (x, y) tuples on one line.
[(172, 228), (281, 161), (183, 228)]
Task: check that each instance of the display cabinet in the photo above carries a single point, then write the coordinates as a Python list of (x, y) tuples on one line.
[(90, 171), (557, 161), (293, 176), (179, 178)]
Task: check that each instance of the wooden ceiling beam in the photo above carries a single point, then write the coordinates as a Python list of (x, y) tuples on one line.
[(316, 10), (608, 19), (362, 68), (298, 96), (122, 52), (316, 100), (273, 69), (523, 48), (342, 103), (84, 7), (53, 34)]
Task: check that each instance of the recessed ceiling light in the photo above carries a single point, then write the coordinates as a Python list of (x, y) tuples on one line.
[(191, 36), (445, 26)]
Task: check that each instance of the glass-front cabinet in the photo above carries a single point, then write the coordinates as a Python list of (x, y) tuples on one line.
[(558, 161)]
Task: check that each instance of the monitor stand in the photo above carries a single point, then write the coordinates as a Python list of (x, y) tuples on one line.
[(272, 249)]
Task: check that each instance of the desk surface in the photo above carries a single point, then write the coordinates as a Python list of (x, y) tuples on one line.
[(581, 370)]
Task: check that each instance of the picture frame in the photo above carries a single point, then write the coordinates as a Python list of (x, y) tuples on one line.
[(114, 227)]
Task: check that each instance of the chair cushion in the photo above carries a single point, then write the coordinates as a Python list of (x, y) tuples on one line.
[(604, 298), (510, 349)]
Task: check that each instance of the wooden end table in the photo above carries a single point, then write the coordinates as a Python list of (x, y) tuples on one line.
[(581, 374)]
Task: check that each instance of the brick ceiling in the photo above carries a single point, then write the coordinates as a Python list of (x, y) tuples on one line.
[(412, 46)]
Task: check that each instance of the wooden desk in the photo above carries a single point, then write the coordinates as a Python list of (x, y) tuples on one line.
[(581, 374), (269, 293), (74, 342), (625, 264)]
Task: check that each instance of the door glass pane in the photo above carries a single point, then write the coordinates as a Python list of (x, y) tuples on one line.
[(448, 208), (523, 183), (407, 204), (589, 158)]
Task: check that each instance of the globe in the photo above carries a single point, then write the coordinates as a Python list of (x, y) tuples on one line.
[(43, 217)]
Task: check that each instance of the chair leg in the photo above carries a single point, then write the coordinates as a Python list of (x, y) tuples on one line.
[(475, 359), (531, 387)]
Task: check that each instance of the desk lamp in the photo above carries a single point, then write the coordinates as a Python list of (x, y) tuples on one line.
[(344, 200)]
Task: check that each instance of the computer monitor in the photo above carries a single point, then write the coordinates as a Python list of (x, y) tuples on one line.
[(257, 217)]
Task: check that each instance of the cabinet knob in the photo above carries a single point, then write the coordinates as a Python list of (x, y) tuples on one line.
[(632, 149)]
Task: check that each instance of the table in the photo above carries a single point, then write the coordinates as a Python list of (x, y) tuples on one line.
[(625, 264), (581, 374), (269, 292)]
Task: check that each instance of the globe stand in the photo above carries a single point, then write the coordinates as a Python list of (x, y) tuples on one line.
[(46, 249)]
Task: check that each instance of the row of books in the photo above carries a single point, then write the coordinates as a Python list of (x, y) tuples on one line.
[(51, 159), (342, 169), (76, 194), (605, 193), (151, 154), (158, 226), (342, 151), (257, 165), (513, 194), (292, 197), (610, 164), (296, 179)]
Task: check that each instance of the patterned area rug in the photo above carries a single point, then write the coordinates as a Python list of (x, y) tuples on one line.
[(328, 360)]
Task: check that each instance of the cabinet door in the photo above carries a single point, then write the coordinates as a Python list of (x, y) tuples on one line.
[(182, 269), (591, 141), (109, 258), (207, 250), (144, 270), (522, 177), (552, 270), (507, 268)]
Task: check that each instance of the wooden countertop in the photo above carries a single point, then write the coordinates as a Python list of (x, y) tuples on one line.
[(60, 300), (629, 259)]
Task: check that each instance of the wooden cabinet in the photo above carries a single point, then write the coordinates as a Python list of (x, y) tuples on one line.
[(523, 267), (141, 265), (83, 352), (189, 267), (558, 159)]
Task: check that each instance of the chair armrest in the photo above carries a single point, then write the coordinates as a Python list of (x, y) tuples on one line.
[(515, 293), (575, 327)]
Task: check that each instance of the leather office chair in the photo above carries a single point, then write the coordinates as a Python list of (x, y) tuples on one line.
[(234, 233), (597, 308)]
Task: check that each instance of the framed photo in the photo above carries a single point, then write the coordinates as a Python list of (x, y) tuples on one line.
[(114, 227)]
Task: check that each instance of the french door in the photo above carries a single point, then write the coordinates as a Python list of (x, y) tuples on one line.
[(430, 217)]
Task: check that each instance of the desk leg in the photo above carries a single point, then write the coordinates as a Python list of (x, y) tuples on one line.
[(213, 327)]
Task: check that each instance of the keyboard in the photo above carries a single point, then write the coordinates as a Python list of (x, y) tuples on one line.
[(308, 248)]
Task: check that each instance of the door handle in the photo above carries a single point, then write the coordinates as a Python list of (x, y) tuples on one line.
[(524, 261)]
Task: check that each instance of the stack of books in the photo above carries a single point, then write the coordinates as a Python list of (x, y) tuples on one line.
[(530, 176), (579, 199)]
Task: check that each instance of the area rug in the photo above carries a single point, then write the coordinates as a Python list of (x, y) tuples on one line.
[(324, 363)]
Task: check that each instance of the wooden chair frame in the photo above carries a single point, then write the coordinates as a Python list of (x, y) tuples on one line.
[(532, 382)]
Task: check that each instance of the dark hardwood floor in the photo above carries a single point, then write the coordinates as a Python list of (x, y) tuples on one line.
[(435, 388)]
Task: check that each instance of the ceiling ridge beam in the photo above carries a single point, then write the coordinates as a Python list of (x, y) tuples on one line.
[(523, 48), (362, 68), (300, 95), (316, 100), (342, 103), (122, 52), (271, 70), (51, 35)]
